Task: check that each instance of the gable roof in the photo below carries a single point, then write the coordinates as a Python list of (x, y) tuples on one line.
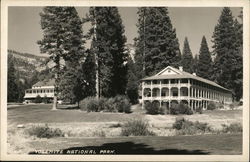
[(49, 82), (182, 75)]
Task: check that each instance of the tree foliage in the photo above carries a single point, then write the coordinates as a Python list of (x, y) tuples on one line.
[(109, 46), (156, 45), (204, 67), (63, 40), (133, 82), (187, 57), (12, 81), (228, 69)]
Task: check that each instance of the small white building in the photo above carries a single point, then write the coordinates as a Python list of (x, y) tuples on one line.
[(43, 89)]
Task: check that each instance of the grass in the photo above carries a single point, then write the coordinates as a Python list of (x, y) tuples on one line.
[(43, 114), (79, 126), (228, 144)]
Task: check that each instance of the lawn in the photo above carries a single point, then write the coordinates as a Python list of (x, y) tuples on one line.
[(228, 144), (43, 114), (83, 131)]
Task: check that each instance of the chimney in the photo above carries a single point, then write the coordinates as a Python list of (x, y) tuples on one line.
[(180, 68), (194, 74)]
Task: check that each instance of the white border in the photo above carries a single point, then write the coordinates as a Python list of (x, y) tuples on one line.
[(135, 3)]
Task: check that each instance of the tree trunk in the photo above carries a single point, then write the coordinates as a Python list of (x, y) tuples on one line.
[(56, 86), (54, 103), (96, 63)]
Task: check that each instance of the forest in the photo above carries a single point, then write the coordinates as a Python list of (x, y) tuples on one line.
[(106, 68)]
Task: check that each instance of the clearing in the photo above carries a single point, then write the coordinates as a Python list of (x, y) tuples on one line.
[(84, 129)]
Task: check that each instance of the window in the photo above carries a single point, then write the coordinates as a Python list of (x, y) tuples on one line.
[(184, 81), (165, 81), (155, 81)]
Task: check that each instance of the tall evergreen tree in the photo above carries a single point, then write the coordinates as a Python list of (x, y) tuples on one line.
[(108, 45), (187, 57), (133, 82), (204, 68), (62, 38), (156, 44), (228, 61), (238, 70), (195, 63)]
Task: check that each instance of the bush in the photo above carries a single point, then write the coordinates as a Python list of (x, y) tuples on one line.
[(38, 99), (45, 132), (99, 133), (115, 104), (117, 125), (185, 127), (199, 110), (45, 99), (90, 104), (122, 104), (181, 108), (152, 108), (211, 105), (232, 128), (136, 128), (102, 104)]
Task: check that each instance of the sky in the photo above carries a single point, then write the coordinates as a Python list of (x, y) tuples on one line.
[(24, 28)]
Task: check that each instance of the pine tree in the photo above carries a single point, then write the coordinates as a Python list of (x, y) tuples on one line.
[(195, 64), (187, 57), (108, 45), (204, 68), (228, 61), (133, 82), (237, 74), (12, 81), (62, 38), (156, 44)]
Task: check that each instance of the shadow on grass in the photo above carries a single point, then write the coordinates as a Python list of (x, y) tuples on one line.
[(127, 148), (68, 107)]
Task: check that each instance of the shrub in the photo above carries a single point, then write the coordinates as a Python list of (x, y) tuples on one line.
[(231, 106), (232, 128), (122, 104), (102, 104), (211, 106), (115, 104), (99, 133), (38, 99), (152, 108), (219, 105), (110, 105), (185, 127), (45, 132), (45, 99), (181, 108), (90, 104), (136, 128), (199, 110), (117, 125)]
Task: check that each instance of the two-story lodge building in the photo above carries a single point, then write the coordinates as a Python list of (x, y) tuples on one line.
[(43, 89), (175, 85)]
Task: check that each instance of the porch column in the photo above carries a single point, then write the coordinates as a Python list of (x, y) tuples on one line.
[(151, 92), (142, 96), (160, 94), (188, 91), (179, 89), (169, 89)]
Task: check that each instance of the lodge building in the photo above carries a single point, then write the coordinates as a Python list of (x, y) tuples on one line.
[(43, 89), (175, 85)]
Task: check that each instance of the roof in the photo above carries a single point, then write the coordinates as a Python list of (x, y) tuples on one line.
[(181, 74), (49, 82)]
